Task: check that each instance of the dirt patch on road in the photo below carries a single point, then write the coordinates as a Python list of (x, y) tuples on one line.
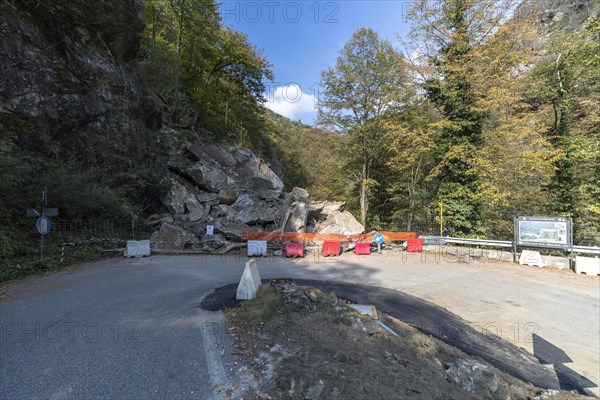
[(307, 344)]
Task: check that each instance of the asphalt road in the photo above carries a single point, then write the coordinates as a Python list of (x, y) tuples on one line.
[(132, 329)]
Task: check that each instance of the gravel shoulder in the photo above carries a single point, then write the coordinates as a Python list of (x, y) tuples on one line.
[(304, 343)]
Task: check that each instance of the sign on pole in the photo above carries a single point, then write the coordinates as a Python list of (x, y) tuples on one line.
[(544, 232), (33, 213), (379, 239), (51, 212), (43, 225)]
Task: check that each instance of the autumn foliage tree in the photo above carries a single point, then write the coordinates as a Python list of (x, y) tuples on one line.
[(566, 89), (366, 81)]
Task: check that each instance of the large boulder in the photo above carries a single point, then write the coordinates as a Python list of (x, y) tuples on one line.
[(256, 174), (226, 197), (210, 153), (298, 217), (210, 176), (221, 155), (171, 237), (340, 222), (330, 207), (195, 210), (231, 230), (214, 169), (176, 198), (300, 194), (253, 211), (208, 198)]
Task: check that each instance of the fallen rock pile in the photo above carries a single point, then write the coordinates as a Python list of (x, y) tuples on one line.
[(232, 190)]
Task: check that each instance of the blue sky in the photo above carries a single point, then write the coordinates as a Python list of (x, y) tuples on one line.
[(302, 38)]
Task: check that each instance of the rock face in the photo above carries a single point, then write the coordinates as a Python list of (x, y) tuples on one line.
[(65, 76), (566, 15), (228, 171), (232, 190)]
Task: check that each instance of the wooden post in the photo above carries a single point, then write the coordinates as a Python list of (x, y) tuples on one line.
[(441, 218)]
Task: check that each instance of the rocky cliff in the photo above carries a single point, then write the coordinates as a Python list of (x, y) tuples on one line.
[(65, 84), (565, 15), (68, 91)]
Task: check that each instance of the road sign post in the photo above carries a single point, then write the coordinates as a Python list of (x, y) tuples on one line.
[(379, 239), (441, 219), (43, 224)]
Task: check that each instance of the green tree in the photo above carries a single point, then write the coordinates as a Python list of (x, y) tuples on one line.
[(366, 82), (209, 76), (410, 162), (459, 52), (567, 88)]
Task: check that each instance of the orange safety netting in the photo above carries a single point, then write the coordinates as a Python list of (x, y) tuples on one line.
[(324, 237)]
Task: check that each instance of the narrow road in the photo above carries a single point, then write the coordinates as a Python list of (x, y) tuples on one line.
[(133, 329)]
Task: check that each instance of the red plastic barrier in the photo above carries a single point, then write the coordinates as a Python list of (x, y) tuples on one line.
[(415, 245), (332, 249), (362, 248), (294, 250)]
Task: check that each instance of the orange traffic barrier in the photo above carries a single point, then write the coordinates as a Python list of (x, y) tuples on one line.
[(324, 237)]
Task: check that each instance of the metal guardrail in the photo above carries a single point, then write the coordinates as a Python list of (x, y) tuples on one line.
[(475, 242), (500, 243), (586, 250)]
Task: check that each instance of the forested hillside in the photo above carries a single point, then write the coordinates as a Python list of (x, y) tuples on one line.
[(492, 114), (95, 98)]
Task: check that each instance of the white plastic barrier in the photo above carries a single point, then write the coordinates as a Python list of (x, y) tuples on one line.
[(587, 265), (249, 283), (529, 257), (257, 248), (137, 248)]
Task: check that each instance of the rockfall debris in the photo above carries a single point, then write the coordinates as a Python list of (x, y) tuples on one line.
[(233, 190)]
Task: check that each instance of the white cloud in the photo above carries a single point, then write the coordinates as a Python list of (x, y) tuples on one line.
[(291, 102)]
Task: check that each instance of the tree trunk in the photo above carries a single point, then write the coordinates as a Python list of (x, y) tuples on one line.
[(412, 191), (364, 201), (556, 117)]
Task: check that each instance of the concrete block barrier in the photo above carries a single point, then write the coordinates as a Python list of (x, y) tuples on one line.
[(257, 248), (249, 282), (587, 265), (137, 248)]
